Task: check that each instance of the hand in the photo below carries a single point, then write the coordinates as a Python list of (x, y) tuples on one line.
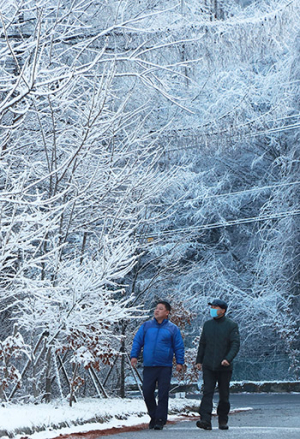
[(179, 367), (133, 362), (199, 366), (225, 363)]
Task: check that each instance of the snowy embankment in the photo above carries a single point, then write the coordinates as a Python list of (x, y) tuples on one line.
[(46, 421)]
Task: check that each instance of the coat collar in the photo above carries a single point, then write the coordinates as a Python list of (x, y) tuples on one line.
[(162, 323)]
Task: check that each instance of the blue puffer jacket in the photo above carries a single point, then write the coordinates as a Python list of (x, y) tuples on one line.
[(160, 342)]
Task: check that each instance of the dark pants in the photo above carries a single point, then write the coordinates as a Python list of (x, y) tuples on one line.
[(162, 376), (210, 379)]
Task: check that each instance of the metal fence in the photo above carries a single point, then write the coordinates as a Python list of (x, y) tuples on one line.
[(272, 368)]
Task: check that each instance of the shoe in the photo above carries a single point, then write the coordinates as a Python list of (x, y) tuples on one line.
[(223, 426), (151, 424), (159, 424), (204, 424)]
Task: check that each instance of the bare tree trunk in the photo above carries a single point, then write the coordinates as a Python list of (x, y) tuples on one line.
[(122, 371), (72, 386), (27, 366), (48, 376)]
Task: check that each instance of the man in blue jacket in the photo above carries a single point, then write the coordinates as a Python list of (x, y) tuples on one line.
[(160, 340)]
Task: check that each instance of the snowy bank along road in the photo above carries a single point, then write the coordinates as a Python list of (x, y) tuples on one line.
[(268, 416)]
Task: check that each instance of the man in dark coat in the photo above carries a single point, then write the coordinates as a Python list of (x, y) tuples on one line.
[(219, 344), (160, 340)]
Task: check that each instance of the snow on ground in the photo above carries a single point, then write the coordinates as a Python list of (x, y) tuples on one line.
[(46, 421)]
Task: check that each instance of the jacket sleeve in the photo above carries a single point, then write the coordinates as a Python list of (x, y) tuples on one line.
[(234, 343), (201, 348), (138, 343), (178, 347)]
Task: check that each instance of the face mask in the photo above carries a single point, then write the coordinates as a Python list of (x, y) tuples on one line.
[(213, 312)]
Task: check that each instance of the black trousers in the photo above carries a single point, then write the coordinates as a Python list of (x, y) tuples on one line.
[(162, 376), (210, 379)]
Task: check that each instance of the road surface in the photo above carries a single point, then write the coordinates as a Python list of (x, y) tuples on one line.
[(271, 416)]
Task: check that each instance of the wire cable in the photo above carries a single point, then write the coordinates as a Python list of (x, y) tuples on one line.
[(222, 224)]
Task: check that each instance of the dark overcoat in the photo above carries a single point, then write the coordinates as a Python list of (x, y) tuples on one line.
[(220, 340)]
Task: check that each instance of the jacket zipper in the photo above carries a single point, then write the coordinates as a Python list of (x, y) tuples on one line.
[(156, 339)]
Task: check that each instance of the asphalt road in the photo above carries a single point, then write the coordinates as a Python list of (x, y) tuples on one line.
[(275, 416)]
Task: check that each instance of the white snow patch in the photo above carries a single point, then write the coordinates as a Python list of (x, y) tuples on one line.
[(112, 412)]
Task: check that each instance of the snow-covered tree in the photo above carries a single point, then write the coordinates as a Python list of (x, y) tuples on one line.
[(147, 148), (78, 168)]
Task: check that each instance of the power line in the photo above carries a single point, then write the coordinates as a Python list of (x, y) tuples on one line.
[(252, 190), (229, 194), (236, 137), (240, 221), (222, 224)]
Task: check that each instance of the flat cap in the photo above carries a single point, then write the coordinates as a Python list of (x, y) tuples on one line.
[(220, 303)]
